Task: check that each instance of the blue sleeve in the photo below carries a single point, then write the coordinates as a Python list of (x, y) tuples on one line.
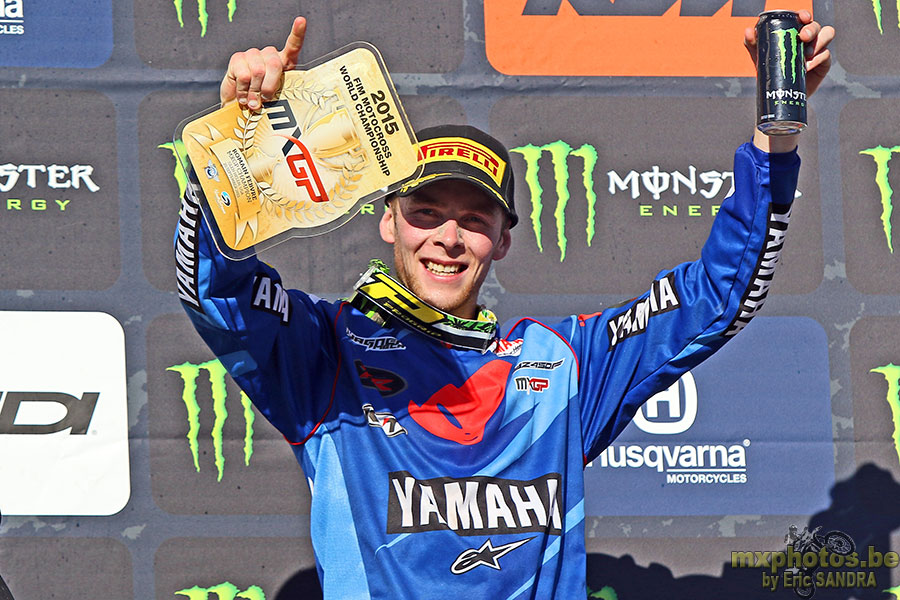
[(630, 352), (277, 344)]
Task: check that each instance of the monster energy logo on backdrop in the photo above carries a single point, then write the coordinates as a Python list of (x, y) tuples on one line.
[(876, 8), (891, 373), (882, 156), (604, 593), (223, 591), (559, 153), (783, 35), (180, 175), (189, 373), (202, 15), (654, 181)]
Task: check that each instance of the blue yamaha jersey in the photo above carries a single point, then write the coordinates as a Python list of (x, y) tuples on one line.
[(438, 471)]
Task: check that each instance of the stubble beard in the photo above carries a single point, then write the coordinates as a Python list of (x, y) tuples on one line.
[(451, 305)]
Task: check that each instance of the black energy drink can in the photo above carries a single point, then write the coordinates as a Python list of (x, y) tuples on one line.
[(781, 74)]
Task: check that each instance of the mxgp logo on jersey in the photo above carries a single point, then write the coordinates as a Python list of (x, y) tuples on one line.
[(680, 38), (473, 505), (531, 384), (63, 414)]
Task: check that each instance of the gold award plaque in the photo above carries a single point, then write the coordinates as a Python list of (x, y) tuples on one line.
[(335, 138)]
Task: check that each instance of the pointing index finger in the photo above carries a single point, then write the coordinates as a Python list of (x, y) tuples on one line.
[(293, 44)]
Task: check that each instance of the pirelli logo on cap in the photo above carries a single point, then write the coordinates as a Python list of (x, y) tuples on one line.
[(465, 151)]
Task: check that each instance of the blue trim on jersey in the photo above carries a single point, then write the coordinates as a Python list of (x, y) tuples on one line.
[(345, 576)]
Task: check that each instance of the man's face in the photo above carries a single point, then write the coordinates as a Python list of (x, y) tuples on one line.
[(445, 236)]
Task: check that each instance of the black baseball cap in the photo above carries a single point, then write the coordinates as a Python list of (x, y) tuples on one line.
[(468, 154)]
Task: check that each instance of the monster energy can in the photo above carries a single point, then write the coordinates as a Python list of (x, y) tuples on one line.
[(781, 74)]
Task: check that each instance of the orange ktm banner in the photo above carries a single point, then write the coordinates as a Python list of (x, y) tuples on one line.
[(664, 38)]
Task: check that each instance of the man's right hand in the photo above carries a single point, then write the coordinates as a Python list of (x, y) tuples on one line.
[(254, 76)]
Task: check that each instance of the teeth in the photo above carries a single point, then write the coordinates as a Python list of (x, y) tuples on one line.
[(442, 269)]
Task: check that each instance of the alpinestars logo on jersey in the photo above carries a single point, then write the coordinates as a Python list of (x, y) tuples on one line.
[(474, 505), (663, 297), (487, 555), (755, 296)]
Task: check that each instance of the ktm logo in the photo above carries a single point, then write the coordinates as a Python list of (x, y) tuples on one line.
[(681, 38)]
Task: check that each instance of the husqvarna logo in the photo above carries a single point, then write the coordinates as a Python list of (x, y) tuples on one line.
[(671, 411)]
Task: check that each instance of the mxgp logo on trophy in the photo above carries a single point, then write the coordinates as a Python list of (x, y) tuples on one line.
[(273, 176), (335, 139), (590, 37)]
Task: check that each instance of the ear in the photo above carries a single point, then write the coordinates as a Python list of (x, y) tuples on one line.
[(503, 244), (386, 225)]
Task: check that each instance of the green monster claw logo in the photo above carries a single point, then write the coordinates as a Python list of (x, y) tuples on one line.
[(876, 8), (202, 15), (891, 373), (604, 593), (177, 149), (189, 373), (791, 34), (559, 153), (882, 156), (223, 591)]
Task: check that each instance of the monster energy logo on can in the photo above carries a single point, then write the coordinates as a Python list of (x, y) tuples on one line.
[(882, 157), (202, 15), (189, 374), (876, 8), (891, 373), (223, 591), (781, 77)]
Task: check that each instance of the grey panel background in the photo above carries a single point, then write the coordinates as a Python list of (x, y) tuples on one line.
[(114, 257)]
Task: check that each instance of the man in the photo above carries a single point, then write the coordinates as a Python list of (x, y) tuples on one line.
[(443, 460)]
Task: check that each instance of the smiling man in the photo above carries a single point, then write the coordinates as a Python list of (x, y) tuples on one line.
[(446, 461)]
